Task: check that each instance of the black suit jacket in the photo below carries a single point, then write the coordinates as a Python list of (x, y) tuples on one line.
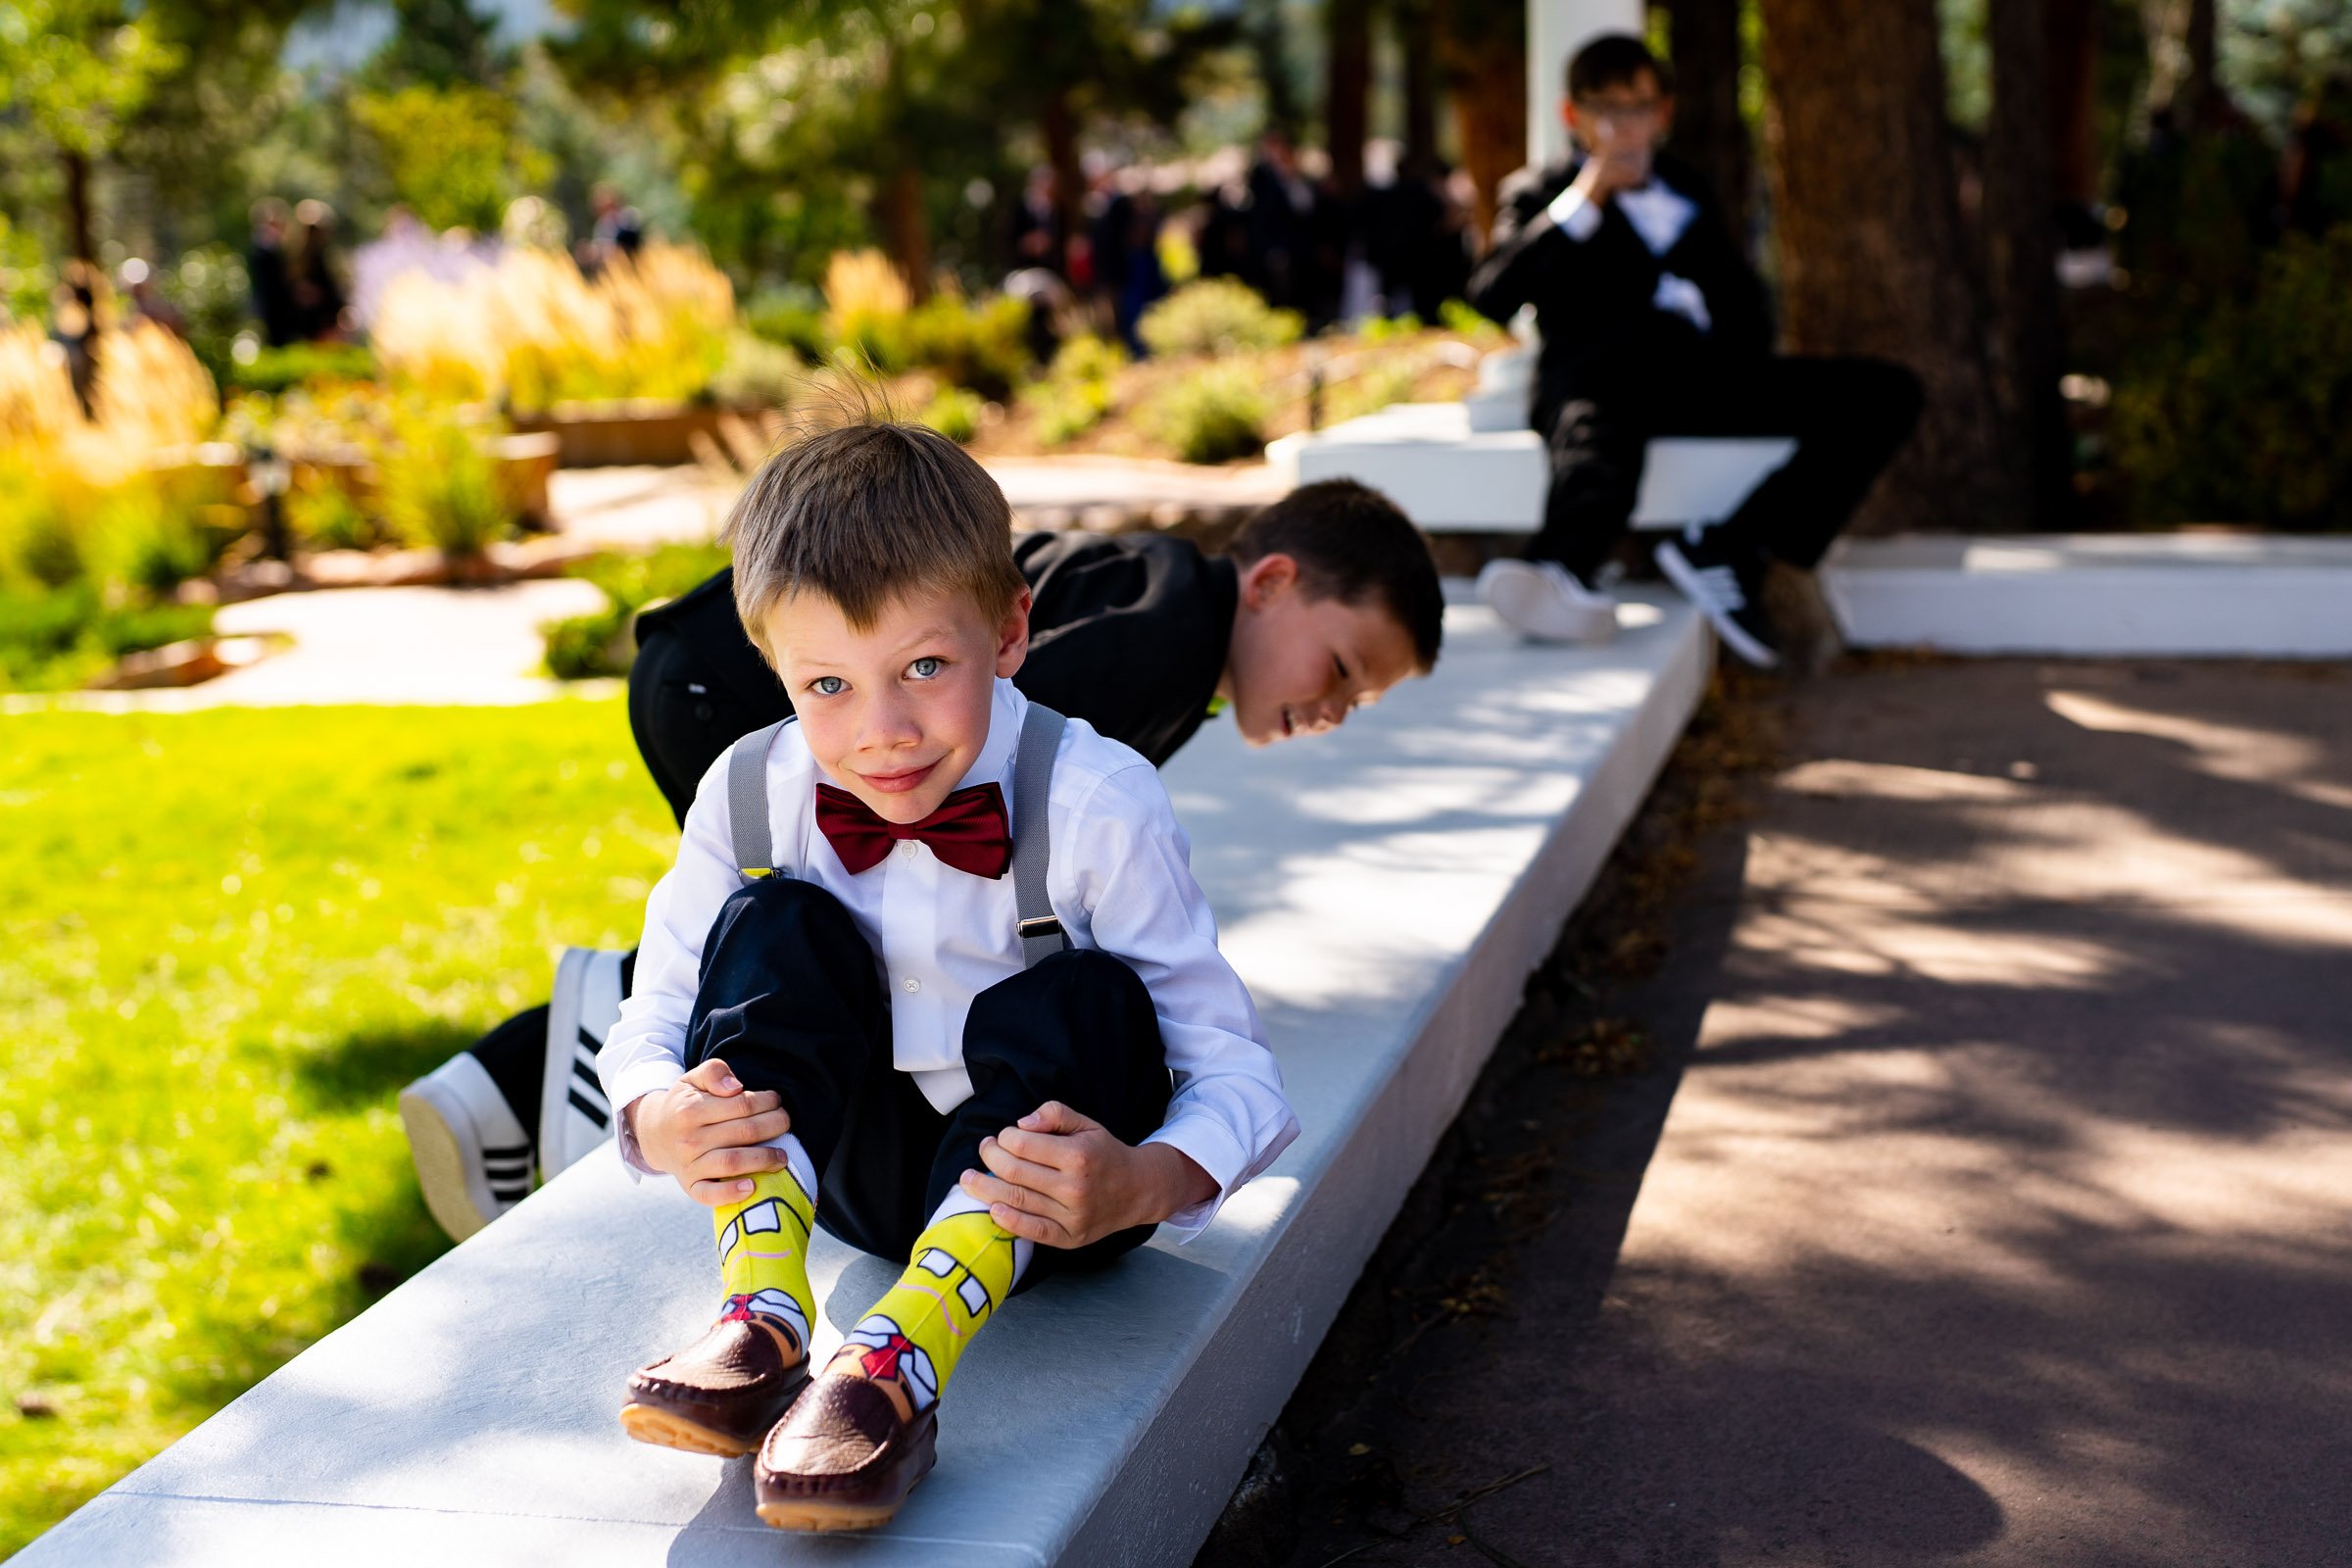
[(1593, 297), (1128, 632)]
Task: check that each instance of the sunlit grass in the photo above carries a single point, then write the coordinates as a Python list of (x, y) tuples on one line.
[(226, 939)]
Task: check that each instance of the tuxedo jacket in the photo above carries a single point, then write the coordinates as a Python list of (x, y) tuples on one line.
[(1128, 632), (1598, 299)]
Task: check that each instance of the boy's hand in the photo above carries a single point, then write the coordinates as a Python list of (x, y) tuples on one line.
[(710, 1133), (1062, 1180)]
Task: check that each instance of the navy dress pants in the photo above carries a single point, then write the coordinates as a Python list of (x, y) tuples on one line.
[(790, 997), (1847, 415)]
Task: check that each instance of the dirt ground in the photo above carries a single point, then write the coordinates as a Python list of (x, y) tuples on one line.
[(1928, 1146)]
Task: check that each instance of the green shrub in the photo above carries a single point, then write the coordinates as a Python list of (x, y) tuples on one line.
[(1217, 315), (1076, 393), (1456, 317), (1087, 358), (1374, 330), (757, 374), (149, 542), (2238, 412), (275, 370), (1369, 390), (605, 642), (321, 514), (955, 413), (983, 347), (439, 488), (60, 638), (1211, 415), (792, 317)]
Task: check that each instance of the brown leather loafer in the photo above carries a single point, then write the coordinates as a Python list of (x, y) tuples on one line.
[(846, 1457), (720, 1394)]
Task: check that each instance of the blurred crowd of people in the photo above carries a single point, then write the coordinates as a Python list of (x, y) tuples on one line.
[(1276, 221)]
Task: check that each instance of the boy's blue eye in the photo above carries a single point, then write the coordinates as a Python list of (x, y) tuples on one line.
[(925, 668), (828, 685)]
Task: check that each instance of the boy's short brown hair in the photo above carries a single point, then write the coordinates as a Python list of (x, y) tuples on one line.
[(1354, 544), (863, 512)]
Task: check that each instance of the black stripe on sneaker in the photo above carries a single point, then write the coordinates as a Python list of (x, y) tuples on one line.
[(590, 1042), (510, 1194), (590, 1109), (505, 1150)]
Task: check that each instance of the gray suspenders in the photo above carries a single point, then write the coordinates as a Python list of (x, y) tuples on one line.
[(1040, 931)]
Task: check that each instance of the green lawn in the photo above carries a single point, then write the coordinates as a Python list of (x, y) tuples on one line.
[(226, 939)]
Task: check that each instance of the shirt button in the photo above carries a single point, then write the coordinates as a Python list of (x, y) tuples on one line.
[(913, 985), (907, 847)]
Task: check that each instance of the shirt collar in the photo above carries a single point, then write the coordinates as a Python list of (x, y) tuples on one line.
[(1007, 709)]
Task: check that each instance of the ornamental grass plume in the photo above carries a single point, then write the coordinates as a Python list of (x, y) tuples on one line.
[(534, 332), (150, 393)]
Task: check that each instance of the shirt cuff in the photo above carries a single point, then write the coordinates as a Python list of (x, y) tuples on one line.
[(1574, 216), (1210, 1145), (629, 1088)]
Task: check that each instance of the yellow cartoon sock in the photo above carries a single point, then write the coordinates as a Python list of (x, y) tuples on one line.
[(964, 1267), (763, 1252)]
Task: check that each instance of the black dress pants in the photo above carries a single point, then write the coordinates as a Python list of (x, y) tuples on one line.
[(790, 1000), (1847, 415)]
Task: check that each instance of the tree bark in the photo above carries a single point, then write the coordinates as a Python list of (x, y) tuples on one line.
[(1872, 256), (1417, 35), (906, 229), (1483, 53), (1707, 128), (77, 208), (2021, 252), (2073, 72), (1347, 90), (1059, 127)]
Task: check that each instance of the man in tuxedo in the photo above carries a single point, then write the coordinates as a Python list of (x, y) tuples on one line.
[(1654, 323)]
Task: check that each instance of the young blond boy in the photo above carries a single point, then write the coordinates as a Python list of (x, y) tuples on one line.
[(863, 1009)]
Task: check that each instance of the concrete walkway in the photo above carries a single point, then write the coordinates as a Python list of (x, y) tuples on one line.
[(1991, 1203)]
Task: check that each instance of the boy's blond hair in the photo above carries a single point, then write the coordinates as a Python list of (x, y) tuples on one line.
[(864, 511)]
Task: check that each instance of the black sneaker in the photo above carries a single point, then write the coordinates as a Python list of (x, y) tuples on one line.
[(1723, 583)]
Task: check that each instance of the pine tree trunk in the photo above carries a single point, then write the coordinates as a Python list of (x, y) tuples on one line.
[(1481, 47), (1347, 90), (2074, 69), (1872, 256), (1060, 125), (906, 229), (1707, 128), (78, 209), (1417, 35), (2021, 250)]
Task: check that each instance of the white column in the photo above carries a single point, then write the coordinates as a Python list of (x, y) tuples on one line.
[(1555, 30)]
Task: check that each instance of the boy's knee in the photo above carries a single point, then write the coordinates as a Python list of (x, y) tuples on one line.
[(1091, 973), (778, 913)]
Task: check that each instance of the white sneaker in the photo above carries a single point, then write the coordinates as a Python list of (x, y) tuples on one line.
[(1543, 600), (473, 1159), (573, 1115)]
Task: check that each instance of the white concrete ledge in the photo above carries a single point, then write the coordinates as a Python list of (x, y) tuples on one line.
[(1451, 474), (2248, 596), (1384, 891)]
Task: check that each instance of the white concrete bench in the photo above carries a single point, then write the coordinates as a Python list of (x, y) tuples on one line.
[(2250, 596), (1451, 478), (1474, 466), (1384, 891)]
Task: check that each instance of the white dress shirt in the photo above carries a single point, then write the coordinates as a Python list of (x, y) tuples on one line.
[(1659, 213), (1119, 878)]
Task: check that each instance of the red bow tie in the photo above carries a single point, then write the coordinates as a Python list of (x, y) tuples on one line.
[(969, 831)]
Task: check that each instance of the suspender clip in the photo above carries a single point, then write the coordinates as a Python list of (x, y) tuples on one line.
[(1040, 925)]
